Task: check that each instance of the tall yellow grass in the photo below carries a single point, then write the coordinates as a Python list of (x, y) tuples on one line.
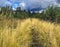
[(29, 33)]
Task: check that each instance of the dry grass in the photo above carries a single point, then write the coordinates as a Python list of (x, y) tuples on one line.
[(29, 33)]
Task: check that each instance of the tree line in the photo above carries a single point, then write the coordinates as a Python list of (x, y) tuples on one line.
[(50, 14)]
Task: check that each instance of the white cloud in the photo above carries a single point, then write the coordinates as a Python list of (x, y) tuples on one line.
[(8, 3), (2, 1), (16, 0), (38, 3), (58, 1), (22, 5), (31, 3)]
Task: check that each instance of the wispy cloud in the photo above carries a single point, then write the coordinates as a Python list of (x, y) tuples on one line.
[(58, 1), (8, 3), (2, 2), (30, 4)]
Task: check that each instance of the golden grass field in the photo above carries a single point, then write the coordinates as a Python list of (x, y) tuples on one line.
[(29, 33)]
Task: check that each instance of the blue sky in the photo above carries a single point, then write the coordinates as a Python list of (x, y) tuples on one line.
[(29, 4)]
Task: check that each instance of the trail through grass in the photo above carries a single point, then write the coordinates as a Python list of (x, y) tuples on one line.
[(29, 33)]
